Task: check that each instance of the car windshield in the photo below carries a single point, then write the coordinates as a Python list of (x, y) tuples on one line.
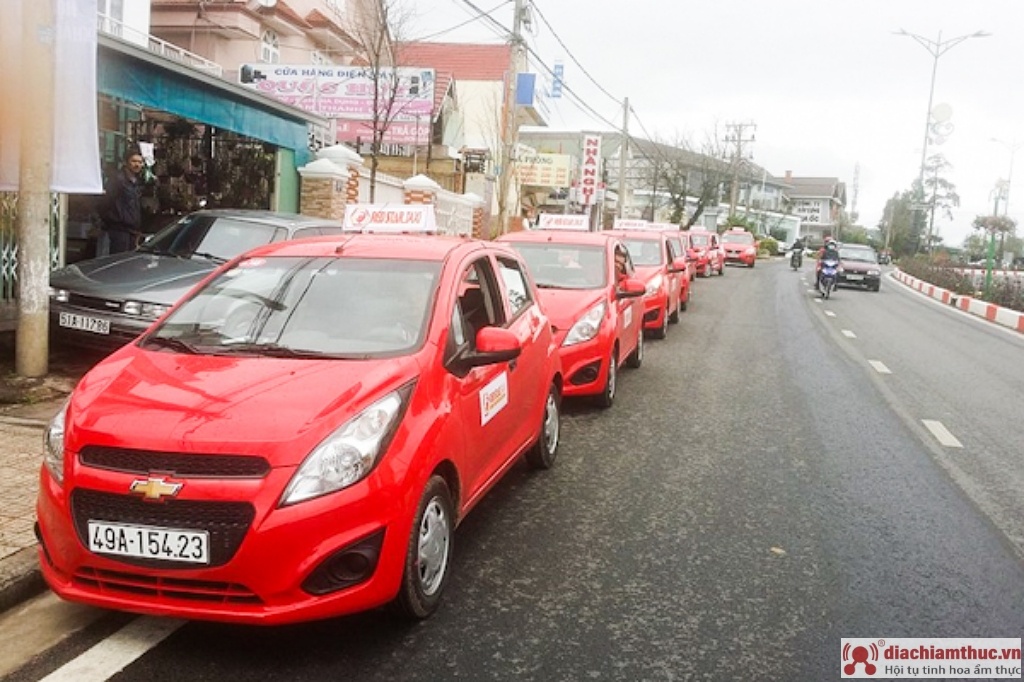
[(217, 238), (862, 255), (645, 251), (738, 238), (565, 266), (699, 239), (293, 307)]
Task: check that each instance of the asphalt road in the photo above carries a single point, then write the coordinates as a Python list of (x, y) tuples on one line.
[(758, 491)]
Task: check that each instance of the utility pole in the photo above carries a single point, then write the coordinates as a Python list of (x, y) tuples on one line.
[(623, 154), (35, 170), (738, 136), (510, 128)]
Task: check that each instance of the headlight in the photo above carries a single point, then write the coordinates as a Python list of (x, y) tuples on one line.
[(751, 250), (654, 284), (60, 295), (349, 454), (587, 326), (874, 273), (53, 441), (148, 310)]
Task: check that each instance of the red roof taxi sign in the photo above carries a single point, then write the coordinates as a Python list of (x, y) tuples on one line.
[(390, 218), (628, 224), (665, 227), (555, 221)]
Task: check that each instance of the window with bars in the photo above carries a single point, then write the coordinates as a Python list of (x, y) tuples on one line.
[(270, 48)]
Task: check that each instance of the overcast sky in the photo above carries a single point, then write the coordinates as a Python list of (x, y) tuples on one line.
[(827, 83)]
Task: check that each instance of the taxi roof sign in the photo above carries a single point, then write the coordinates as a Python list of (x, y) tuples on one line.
[(391, 218), (631, 224), (556, 221)]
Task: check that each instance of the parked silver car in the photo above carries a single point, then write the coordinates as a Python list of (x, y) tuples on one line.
[(106, 302)]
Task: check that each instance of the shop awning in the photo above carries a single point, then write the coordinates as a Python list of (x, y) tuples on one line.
[(131, 73)]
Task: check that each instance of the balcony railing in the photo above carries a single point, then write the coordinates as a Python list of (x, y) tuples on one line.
[(112, 27)]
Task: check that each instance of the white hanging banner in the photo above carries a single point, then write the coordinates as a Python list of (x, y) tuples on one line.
[(76, 152)]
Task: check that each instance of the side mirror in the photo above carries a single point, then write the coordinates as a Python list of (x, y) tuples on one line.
[(630, 287), (493, 345), (678, 265)]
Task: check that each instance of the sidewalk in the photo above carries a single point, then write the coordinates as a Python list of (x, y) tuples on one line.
[(21, 451)]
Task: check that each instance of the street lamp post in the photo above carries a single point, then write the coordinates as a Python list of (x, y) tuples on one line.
[(936, 48), (1012, 147)]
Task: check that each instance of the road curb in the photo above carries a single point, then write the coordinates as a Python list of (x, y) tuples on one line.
[(20, 578), (1005, 317)]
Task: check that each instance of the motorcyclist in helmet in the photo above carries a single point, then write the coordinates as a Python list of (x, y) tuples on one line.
[(830, 251)]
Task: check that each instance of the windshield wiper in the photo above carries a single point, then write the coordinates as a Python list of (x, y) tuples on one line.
[(270, 350), (210, 256), (171, 342)]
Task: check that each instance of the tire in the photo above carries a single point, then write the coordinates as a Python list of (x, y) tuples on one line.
[(674, 317), (636, 358), (606, 398), (684, 304), (662, 331), (428, 557), (708, 270), (721, 270), (543, 453), (876, 287), (827, 290)]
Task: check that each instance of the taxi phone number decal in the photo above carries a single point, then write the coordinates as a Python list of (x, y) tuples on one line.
[(493, 398)]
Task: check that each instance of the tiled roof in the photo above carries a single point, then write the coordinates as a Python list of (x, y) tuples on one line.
[(814, 187), (464, 61), (442, 81)]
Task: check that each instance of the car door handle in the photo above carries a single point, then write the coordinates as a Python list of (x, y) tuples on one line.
[(512, 364)]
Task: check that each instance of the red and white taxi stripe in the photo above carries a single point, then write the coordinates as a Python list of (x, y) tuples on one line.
[(991, 312)]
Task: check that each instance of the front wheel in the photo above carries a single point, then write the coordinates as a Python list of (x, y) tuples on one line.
[(606, 398), (428, 556), (542, 454)]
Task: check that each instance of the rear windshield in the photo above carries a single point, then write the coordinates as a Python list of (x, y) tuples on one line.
[(645, 251)]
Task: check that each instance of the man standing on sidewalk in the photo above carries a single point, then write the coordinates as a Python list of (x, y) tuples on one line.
[(121, 209)]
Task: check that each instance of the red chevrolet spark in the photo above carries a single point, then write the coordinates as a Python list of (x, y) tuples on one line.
[(598, 315), (655, 266), (299, 437)]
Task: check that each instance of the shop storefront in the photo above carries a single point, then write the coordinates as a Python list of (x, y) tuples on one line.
[(215, 144)]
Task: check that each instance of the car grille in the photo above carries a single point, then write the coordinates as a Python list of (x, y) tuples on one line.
[(226, 522), (178, 464), (93, 303), (113, 582)]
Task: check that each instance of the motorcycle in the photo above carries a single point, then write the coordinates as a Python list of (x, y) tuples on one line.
[(827, 278), (796, 259)]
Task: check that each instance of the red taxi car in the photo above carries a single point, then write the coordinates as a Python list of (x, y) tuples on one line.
[(739, 246), (299, 436), (707, 252), (677, 242), (652, 257), (597, 315)]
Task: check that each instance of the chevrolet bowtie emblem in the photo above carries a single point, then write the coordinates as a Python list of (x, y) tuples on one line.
[(155, 488)]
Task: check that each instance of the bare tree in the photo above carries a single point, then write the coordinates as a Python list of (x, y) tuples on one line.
[(378, 31)]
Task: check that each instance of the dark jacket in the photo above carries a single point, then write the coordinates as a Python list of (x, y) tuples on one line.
[(121, 209)]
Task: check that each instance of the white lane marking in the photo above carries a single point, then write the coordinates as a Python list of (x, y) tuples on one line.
[(830, 313), (818, 300), (812, 291), (115, 653), (941, 433), (879, 366), (849, 334)]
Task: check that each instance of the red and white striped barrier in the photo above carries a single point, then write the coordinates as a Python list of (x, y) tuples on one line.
[(991, 312)]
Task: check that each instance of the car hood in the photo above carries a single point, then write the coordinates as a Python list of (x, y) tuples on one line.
[(645, 273), (565, 306), (135, 274), (278, 408)]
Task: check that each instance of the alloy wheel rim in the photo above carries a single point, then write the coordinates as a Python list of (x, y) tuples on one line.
[(551, 423)]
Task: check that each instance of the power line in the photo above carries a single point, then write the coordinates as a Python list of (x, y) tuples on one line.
[(495, 25), (465, 23), (573, 57)]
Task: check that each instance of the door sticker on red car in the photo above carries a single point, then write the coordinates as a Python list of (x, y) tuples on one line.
[(627, 317), (493, 398)]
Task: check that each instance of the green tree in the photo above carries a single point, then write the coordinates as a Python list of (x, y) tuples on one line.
[(940, 195)]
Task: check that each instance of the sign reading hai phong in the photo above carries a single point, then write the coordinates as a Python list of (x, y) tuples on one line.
[(545, 170)]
